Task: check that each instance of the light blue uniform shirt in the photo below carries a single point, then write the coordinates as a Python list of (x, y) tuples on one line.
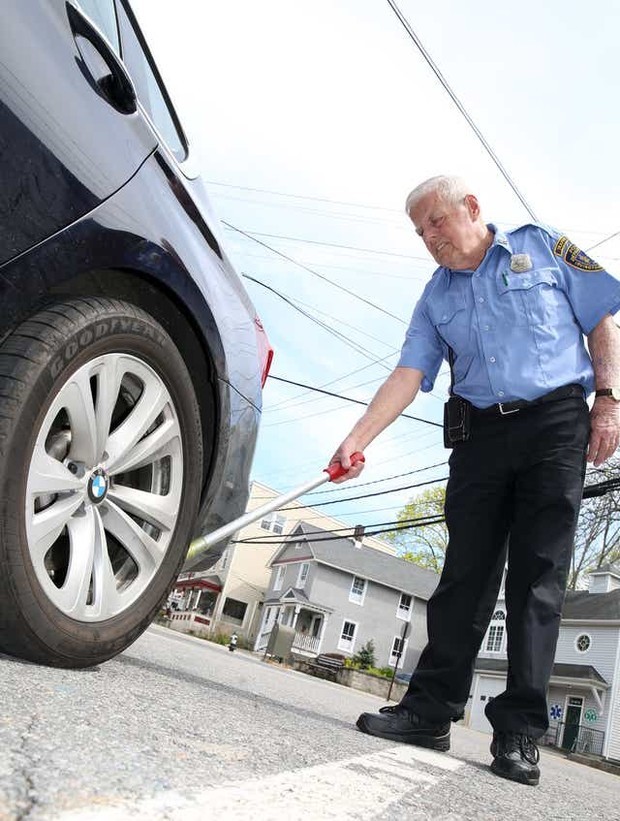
[(516, 324)]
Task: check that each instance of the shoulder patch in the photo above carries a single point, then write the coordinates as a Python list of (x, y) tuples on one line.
[(578, 259), (560, 246)]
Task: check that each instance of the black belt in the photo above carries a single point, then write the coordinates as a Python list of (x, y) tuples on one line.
[(505, 408)]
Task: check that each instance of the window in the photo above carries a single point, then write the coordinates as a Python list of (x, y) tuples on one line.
[(277, 584), (399, 648), (358, 590), (583, 643), (274, 522), (303, 574), (103, 15), (347, 637), (149, 87), (495, 636), (234, 610), (404, 607)]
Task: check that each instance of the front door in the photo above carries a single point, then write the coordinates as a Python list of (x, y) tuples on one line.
[(315, 628), (572, 719)]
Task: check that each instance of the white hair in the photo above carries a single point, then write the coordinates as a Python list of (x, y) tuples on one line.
[(451, 189)]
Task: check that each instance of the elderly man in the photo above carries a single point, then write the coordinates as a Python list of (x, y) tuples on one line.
[(509, 312)]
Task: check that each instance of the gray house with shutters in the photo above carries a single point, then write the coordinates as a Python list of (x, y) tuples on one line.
[(338, 594), (584, 691)]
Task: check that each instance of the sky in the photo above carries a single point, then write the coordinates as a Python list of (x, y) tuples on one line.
[(310, 123)]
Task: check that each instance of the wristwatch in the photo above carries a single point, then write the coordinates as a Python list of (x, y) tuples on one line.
[(613, 392)]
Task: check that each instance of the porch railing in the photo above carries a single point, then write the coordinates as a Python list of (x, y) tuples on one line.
[(576, 738), (309, 644), (302, 642)]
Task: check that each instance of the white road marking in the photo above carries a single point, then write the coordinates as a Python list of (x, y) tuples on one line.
[(353, 788)]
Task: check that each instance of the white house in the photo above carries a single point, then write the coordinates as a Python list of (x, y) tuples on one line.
[(584, 691)]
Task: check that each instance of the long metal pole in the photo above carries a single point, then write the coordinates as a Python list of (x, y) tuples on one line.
[(204, 543)]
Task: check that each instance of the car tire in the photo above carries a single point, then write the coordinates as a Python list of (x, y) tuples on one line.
[(100, 479)]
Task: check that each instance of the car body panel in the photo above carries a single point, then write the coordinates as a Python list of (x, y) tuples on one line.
[(94, 196), (63, 147), (165, 247)]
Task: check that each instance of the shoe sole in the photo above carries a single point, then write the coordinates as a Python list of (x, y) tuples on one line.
[(520, 777), (440, 743)]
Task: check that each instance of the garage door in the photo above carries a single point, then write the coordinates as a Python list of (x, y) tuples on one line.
[(484, 688)]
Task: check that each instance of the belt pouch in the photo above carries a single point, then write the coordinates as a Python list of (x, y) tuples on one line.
[(456, 421)]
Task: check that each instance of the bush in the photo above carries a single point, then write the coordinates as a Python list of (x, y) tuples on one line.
[(366, 656)]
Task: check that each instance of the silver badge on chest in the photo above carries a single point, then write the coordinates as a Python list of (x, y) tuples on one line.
[(519, 263)]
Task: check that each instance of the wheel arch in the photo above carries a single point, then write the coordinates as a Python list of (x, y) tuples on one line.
[(168, 309)]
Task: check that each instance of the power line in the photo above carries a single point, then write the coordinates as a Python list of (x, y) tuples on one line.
[(316, 274), (376, 481), (278, 405), (369, 495), (368, 206), (341, 337), (294, 302), (418, 43), (601, 488), (603, 241), (304, 197), (419, 521), (348, 399), (253, 234)]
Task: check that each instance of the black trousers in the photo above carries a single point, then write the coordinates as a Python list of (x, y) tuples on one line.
[(515, 487)]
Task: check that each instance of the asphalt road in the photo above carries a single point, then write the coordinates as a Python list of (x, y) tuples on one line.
[(179, 728)]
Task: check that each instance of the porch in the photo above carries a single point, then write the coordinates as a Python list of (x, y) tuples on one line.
[(309, 625)]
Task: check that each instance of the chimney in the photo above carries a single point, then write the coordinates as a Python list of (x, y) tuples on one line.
[(358, 534)]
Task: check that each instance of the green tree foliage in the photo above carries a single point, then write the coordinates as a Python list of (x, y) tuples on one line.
[(426, 544)]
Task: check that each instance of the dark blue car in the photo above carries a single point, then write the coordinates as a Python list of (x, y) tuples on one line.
[(131, 358)]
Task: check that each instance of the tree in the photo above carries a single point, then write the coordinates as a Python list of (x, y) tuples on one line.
[(597, 541), (424, 544)]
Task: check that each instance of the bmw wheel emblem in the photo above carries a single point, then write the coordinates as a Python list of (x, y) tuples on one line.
[(98, 486)]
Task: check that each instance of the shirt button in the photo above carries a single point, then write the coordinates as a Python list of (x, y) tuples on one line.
[(500, 393), (487, 327), (445, 316), (480, 299), (491, 359)]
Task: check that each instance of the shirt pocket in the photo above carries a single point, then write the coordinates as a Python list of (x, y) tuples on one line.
[(533, 298), (450, 321)]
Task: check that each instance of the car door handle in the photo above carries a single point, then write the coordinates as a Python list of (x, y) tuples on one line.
[(100, 66)]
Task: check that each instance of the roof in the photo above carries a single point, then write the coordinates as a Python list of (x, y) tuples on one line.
[(579, 604), (614, 569), (367, 562), (207, 581), (293, 595), (584, 673)]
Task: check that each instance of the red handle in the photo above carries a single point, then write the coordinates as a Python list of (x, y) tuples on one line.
[(336, 471)]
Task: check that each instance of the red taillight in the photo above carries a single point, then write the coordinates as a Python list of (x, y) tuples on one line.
[(265, 351)]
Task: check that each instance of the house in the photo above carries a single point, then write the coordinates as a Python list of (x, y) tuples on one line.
[(584, 690), (338, 593), (229, 595)]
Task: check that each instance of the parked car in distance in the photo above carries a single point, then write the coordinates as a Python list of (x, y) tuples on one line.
[(131, 358)]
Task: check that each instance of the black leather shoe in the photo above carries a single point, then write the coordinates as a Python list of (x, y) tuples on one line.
[(515, 756), (398, 724)]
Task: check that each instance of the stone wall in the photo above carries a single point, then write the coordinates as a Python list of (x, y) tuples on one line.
[(356, 679)]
